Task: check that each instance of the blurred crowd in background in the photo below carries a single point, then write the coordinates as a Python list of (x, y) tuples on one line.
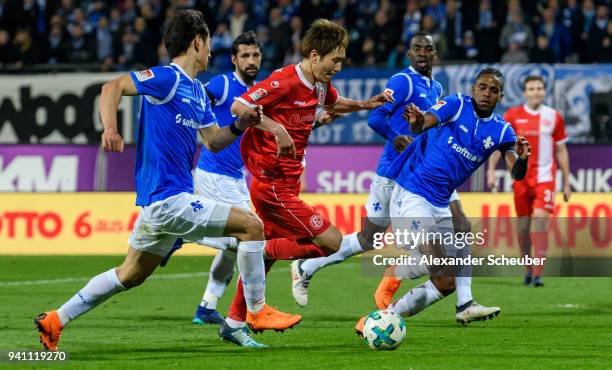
[(122, 34)]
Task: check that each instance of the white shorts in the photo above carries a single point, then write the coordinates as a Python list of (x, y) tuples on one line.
[(415, 214), (454, 196), (223, 189), (377, 205), (188, 216)]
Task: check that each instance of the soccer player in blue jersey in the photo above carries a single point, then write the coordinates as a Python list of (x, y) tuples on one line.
[(175, 108), (459, 134), (414, 85)]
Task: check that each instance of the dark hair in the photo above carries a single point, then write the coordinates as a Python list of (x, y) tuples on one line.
[(247, 38), (324, 36), (492, 71), (421, 34), (533, 78), (182, 29)]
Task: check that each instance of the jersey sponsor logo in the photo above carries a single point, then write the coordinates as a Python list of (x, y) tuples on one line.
[(144, 75), (258, 94), (438, 105), (274, 84), (295, 119), (462, 151), (186, 121), (316, 221), (487, 143)]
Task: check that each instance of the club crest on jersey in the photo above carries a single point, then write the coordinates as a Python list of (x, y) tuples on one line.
[(258, 94), (274, 84), (438, 105), (316, 221), (144, 75), (487, 143)]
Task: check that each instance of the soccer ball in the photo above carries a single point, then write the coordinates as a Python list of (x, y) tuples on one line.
[(384, 329)]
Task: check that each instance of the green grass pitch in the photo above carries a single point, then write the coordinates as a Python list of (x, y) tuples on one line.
[(565, 325)]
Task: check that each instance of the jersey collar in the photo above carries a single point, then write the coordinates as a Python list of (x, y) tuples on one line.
[(182, 71), (237, 76), (531, 111), (427, 79), (301, 76)]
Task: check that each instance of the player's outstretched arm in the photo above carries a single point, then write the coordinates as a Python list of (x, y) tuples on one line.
[(284, 142), (563, 160), (492, 163), (516, 159), (110, 97), (216, 138), (344, 105)]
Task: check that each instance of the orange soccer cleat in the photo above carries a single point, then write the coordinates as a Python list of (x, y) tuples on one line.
[(270, 318), (50, 328), (359, 326), (387, 288)]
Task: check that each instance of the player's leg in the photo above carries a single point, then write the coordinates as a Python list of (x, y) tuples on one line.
[(148, 245), (543, 206), (225, 190), (523, 202)]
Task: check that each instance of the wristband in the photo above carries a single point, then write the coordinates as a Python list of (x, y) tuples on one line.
[(235, 130)]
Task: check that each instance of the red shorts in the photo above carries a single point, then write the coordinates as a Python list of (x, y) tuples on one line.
[(283, 213), (527, 198)]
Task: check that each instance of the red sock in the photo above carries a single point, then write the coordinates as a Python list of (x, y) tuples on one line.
[(238, 308), (286, 249), (525, 247), (539, 240)]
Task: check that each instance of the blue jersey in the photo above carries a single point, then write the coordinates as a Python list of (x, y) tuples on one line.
[(408, 86), (224, 89), (443, 157), (173, 109)]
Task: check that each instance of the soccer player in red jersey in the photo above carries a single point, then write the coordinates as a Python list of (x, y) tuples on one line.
[(534, 196), (292, 98)]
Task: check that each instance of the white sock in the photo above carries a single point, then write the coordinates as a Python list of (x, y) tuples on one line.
[(463, 278), (463, 284), (417, 299), (234, 324), (411, 271), (98, 289), (349, 247), (221, 273), (223, 243), (252, 271)]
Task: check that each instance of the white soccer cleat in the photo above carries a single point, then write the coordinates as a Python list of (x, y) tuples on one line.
[(473, 311), (300, 282)]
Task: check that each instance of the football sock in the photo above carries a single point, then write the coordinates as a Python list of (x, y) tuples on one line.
[(417, 299), (287, 249), (525, 247), (221, 273), (539, 240), (463, 277), (349, 247), (234, 324), (252, 270), (97, 290), (238, 309)]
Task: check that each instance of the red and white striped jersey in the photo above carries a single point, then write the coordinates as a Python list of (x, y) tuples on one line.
[(544, 129)]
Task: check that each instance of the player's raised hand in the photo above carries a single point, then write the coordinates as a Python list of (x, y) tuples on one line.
[(251, 117), (380, 99), (112, 141), (414, 116), (284, 142), (401, 142), (522, 147)]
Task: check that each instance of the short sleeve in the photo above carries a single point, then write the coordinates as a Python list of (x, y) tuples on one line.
[(265, 93), (400, 87), (209, 118), (559, 135), (507, 134), (332, 95), (509, 117), (156, 82), (447, 109), (217, 89)]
